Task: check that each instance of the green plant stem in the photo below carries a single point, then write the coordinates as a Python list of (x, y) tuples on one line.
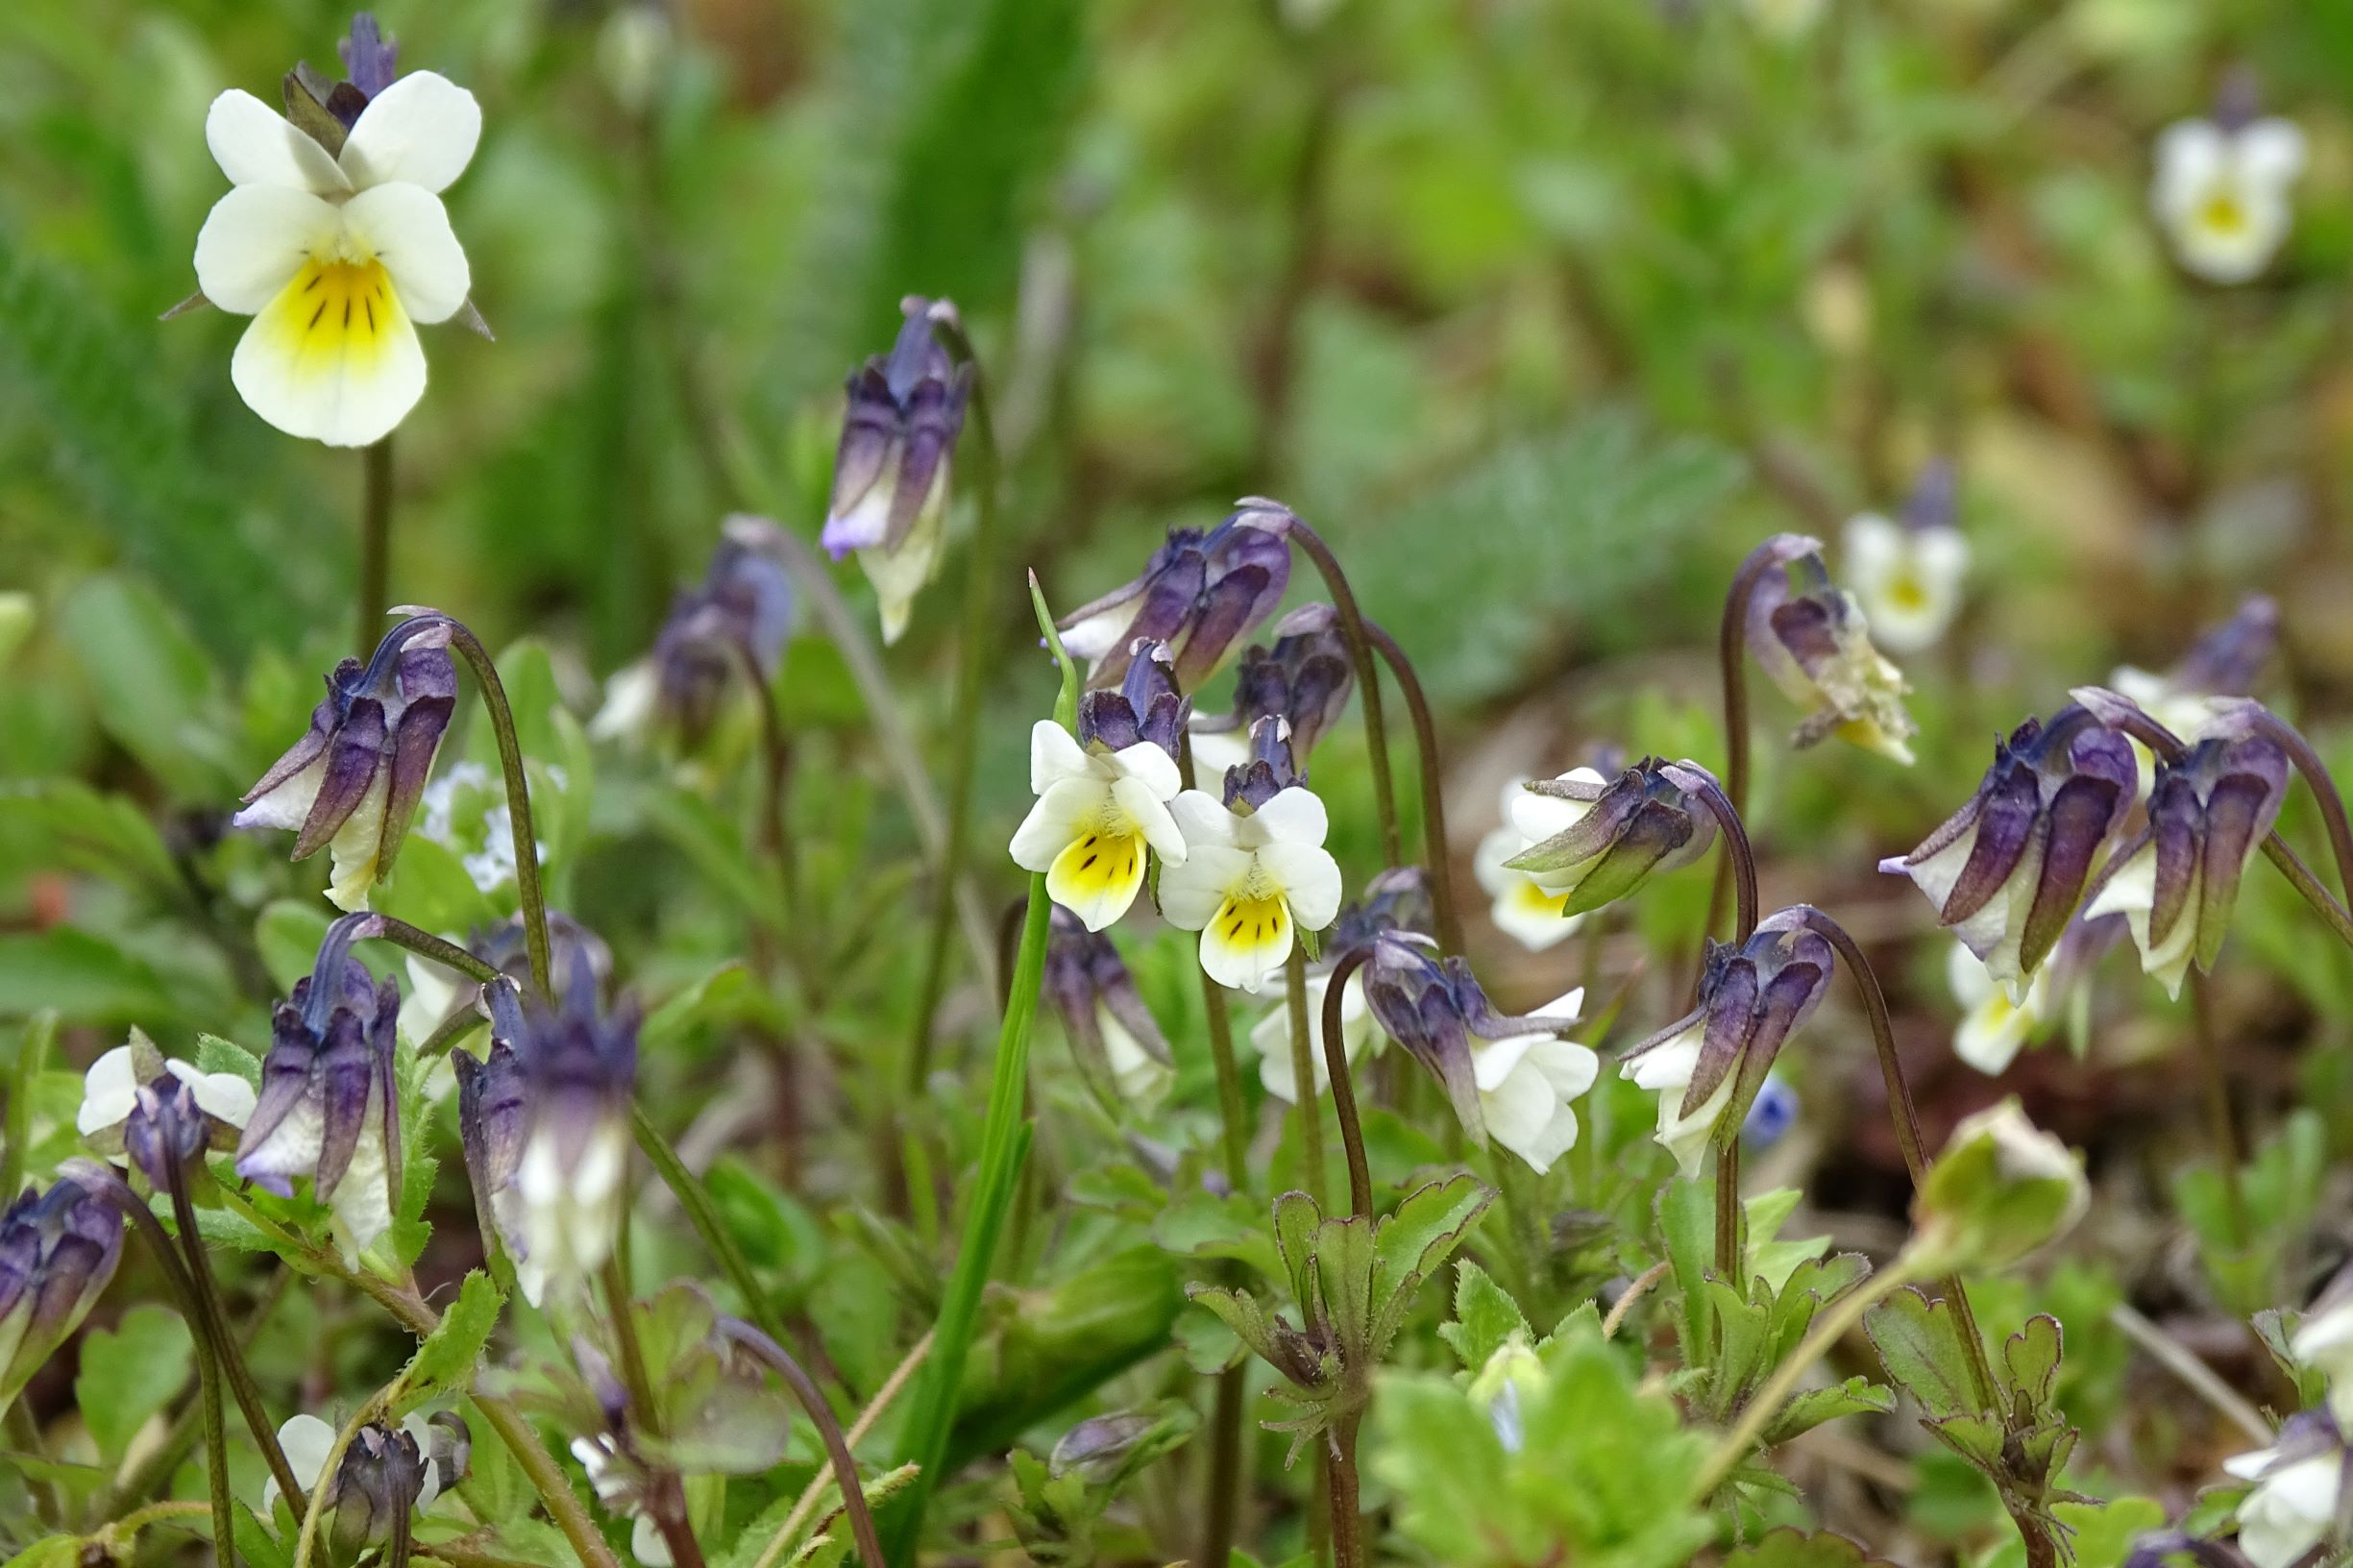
[(156, 1467), (703, 1215), (1225, 1468), (837, 1448), (2215, 1079), (166, 1258), (1340, 1484), (2300, 877), (48, 1498), (518, 803), (1739, 858), (1433, 794), (422, 944), (375, 538), (1309, 1104), (2315, 776), (612, 1278), (453, 1029), (1343, 1089), (31, 1051), (805, 1505), (1906, 1117), (1731, 658), (964, 737), (1830, 1326), (1005, 1137), (1731, 1268), (212, 1324), (1368, 683)]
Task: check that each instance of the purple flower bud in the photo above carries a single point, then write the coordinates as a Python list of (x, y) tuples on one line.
[(1200, 593), (2007, 871), (734, 623), (328, 1107), (1593, 842), (1268, 772), (1118, 1043), (1305, 677), (166, 1129), (1146, 705), (375, 1490), (57, 1250), (1714, 1058), (2177, 884), (571, 947), (890, 472), (1813, 641), (1935, 499), (1433, 1008), (370, 59), (354, 779), (2225, 661)]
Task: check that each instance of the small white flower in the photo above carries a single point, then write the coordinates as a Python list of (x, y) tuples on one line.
[(1993, 1028), (306, 1440), (110, 1090), (1908, 580), (1096, 813), (1666, 1069), (566, 1210), (336, 256), (632, 696), (2221, 194), (1522, 909), (1527, 1085), (1249, 880), (647, 1543), (1271, 1035), (2292, 1506), (1536, 818)]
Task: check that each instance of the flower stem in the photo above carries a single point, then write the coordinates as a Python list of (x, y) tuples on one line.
[(563, 1505), (2220, 1127), (517, 803), (1309, 1105), (1225, 1471), (806, 1504), (2315, 778), (1730, 1267), (160, 1248), (212, 1324), (375, 538), (365, 924), (1739, 858), (1340, 1472), (837, 1450), (703, 1215), (1368, 682), (1343, 1092), (613, 1279), (1829, 1326), (1732, 636), (1906, 1119), (1434, 795), (963, 739)]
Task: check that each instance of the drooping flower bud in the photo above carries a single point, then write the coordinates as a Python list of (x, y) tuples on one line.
[(387, 1476), (731, 627), (57, 1250), (353, 781), (890, 472), (1145, 706), (158, 1114), (1511, 1078), (1304, 678), (571, 949), (1520, 907), (2176, 885), (1201, 594), (2002, 1188), (326, 110), (1591, 841), (548, 1131), (1271, 769), (2222, 663), (1813, 641), (1713, 1060), (1118, 1044), (2007, 871), (329, 1109)]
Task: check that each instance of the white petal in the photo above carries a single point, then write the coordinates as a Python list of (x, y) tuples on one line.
[(1203, 819), (1686, 1137), (1667, 1064), (1057, 818), (300, 367), (2247, 1466), (1992, 1032), (1214, 751), (1294, 816), (255, 240), (1247, 963), (288, 805), (1874, 550), (407, 228), (648, 1545), (422, 130), (2289, 1510), (1136, 801), (1151, 767), (291, 1150), (1054, 755), (1569, 1067), (2190, 154), (108, 1092), (631, 695), (306, 1441), (1310, 879), (356, 845), (224, 1096), (255, 145), (362, 1200), (1538, 817), (2270, 150), (1190, 892)]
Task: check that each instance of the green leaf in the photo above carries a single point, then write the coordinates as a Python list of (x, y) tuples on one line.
[(214, 1054), (1486, 1317), (1806, 1411), (1687, 1223), (446, 1357), (1202, 1224), (86, 978), (1921, 1347), (256, 1545), (129, 1374), (2030, 1360), (1430, 1223), (48, 1552), (82, 830), (153, 687)]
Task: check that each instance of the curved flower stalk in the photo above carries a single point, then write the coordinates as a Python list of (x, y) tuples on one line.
[(890, 472), (1103, 798), (330, 1107), (1708, 1065), (57, 1253), (1255, 871), (1511, 1079), (1518, 905), (2224, 662), (122, 1107), (1590, 841), (1118, 1043), (1909, 573), (1814, 642), (733, 624), (1200, 593), (2007, 871), (353, 782), (334, 239), (2221, 187), (1397, 899), (437, 997), (2209, 812)]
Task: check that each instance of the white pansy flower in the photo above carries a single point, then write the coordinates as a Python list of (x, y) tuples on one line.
[(1522, 909), (110, 1090), (1249, 880), (2220, 193), (2292, 1506), (337, 256), (1527, 1085), (1271, 1036), (1666, 1070), (1993, 1028), (1908, 580), (1097, 812), (306, 1440)]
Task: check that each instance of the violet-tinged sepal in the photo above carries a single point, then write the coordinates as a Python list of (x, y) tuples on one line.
[(1104, 797), (1590, 841), (1145, 706), (353, 781), (58, 1252), (1200, 593), (1304, 678), (1118, 1043), (157, 1113), (2007, 871)]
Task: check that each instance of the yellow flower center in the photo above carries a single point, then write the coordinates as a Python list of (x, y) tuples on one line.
[(2223, 214), (1528, 895), (1247, 921), (336, 308), (1100, 861), (1908, 593)]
